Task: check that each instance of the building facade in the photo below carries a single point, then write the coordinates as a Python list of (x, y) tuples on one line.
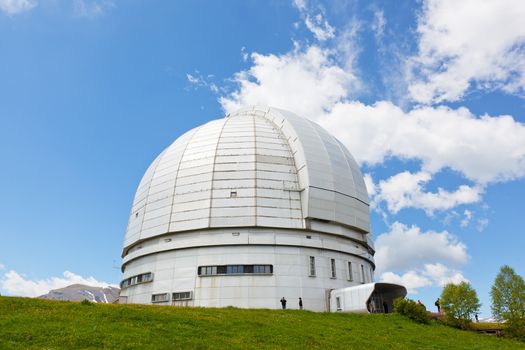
[(245, 210)]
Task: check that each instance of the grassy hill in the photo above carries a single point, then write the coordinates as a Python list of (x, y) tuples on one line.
[(44, 324)]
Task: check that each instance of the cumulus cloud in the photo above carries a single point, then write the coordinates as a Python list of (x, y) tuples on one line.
[(307, 81), (92, 8), (320, 83), (13, 7), (468, 43), (15, 284), (428, 275), (406, 190), (482, 148), (404, 247)]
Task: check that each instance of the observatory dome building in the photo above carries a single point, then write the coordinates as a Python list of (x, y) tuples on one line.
[(245, 210)]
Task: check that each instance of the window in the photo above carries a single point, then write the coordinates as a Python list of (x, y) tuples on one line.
[(233, 194), (137, 279), (160, 298), (338, 303), (312, 266), (332, 268), (235, 270), (362, 273), (182, 296), (371, 274), (350, 273)]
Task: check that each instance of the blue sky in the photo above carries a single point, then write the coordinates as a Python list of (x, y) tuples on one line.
[(427, 95)]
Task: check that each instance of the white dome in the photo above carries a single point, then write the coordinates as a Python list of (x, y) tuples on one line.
[(258, 167)]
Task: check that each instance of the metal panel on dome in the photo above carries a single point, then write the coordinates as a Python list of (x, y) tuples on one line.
[(257, 167), (330, 177)]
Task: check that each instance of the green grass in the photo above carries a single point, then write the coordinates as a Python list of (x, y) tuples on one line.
[(43, 324)]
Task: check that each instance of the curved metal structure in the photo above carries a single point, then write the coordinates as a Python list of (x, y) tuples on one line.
[(247, 209)]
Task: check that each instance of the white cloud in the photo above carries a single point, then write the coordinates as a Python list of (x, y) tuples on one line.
[(319, 83), (482, 224), (484, 149), (16, 284), (406, 190), (428, 275), (2, 266), (411, 280), (13, 7), (466, 43), (306, 81), (300, 4), (378, 24), (442, 274), (92, 8), (197, 80), (467, 218), (314, 19), (320, 27), (404, 248)]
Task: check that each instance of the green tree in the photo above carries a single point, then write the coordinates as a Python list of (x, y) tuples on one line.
[(459, 302), (508, 300)]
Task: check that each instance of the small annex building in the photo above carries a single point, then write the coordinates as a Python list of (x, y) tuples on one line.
[(366, 298), (247, 209)]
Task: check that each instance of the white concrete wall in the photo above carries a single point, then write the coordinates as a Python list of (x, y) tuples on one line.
[(176, 271)]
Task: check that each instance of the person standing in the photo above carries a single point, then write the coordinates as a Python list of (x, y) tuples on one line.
[(300, 303), (283, 303), (438, 305)]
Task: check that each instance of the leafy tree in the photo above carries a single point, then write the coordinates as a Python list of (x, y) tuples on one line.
[(459, 302), (508, 300)]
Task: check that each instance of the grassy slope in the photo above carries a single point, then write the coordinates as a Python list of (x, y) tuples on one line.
[(44, 324)]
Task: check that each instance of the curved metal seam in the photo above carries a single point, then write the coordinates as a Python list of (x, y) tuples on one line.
[(226, 120), (177, 174)]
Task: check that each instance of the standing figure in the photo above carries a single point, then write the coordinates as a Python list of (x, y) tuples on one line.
[(300, 303), (438, 305), (283, 303), (477, 319)]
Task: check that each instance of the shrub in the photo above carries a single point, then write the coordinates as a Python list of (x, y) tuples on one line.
[(412, 310), (86, 302), (459, 302)]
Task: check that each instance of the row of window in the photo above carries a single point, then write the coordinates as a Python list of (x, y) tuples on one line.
[(138, 279), (350, 272), (234, 270), (249, 269), (164, 297)]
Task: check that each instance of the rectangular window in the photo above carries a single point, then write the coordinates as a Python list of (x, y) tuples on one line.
[(350, 273), (371, 275), (338, 303), (234, 270), (160, 298), (312, 266), (362, 273), (332, 268), (133, 280), (182, 296)]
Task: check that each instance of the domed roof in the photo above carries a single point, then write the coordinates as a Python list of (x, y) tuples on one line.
[(257, 167)]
